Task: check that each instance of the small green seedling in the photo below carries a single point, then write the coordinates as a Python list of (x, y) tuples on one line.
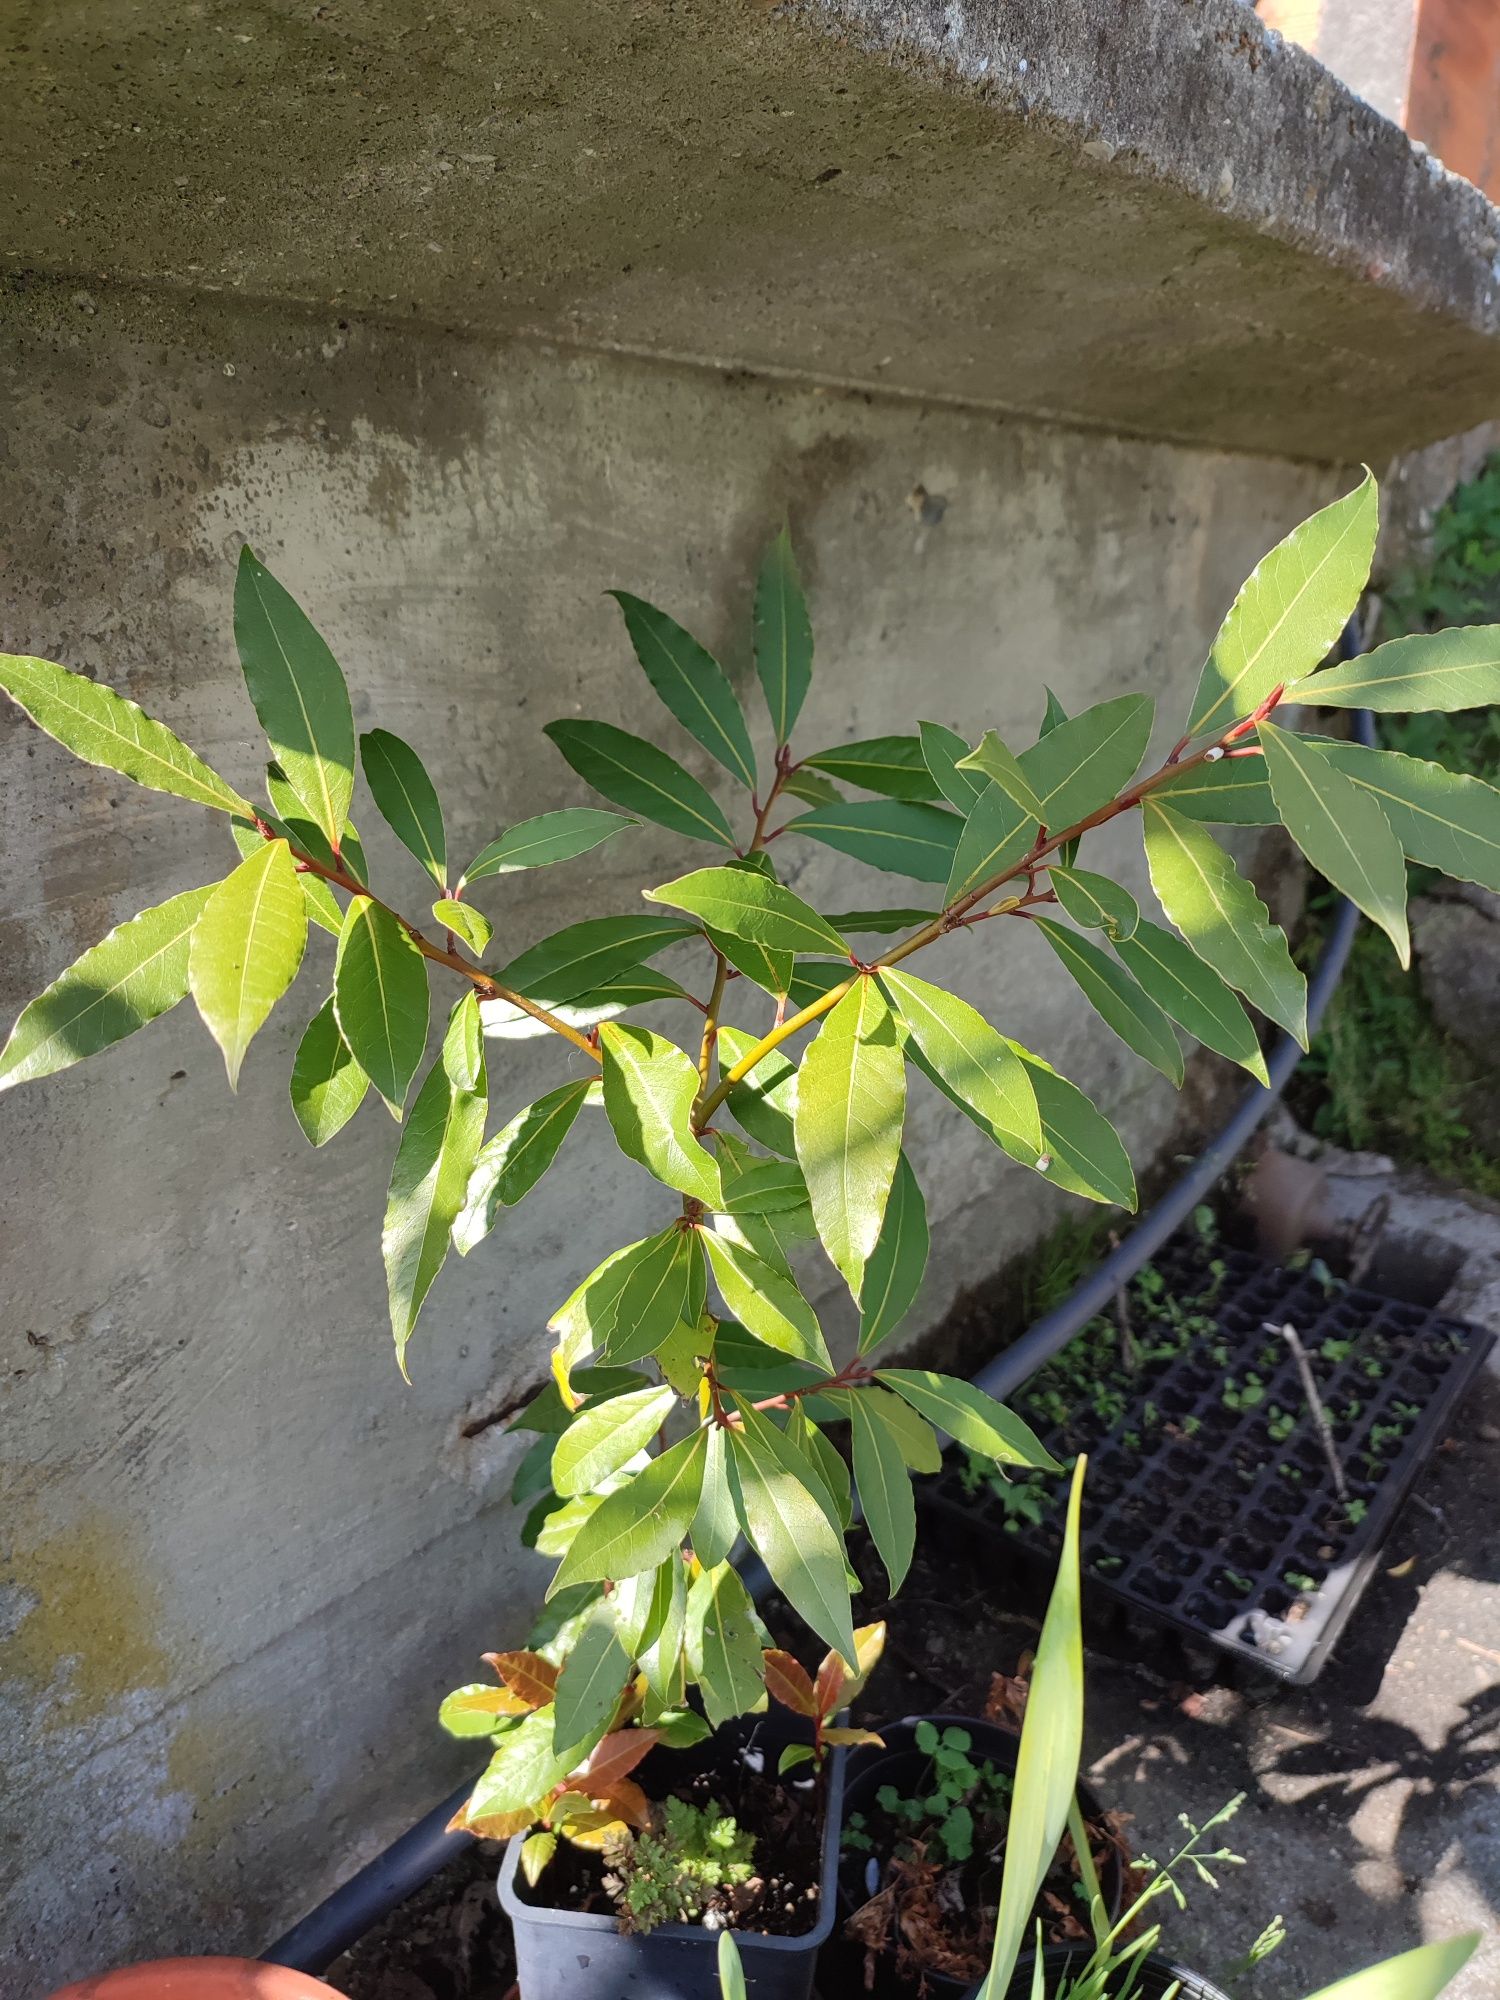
[(671, 1872), (956, 1798), (1296, 1579)]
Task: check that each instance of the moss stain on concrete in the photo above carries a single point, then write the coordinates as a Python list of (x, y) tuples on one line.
[(94, 1633)]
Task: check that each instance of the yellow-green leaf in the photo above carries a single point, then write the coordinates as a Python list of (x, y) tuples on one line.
[(135, 973), (995, 760), (1442, 818), (640, 1524), (1290, 610), (851, 1100), (246, 947), (1192, 994), (102, 727), (1419, 1974), (1081, 763), (765, 1302), (1425, 671), (550, 837), (973, 1063), (724, 1645), (510, 1165), (605, 1435), (893, 1275), (1095, 902), (650, 1086), (748, 904), (891, 765), (966, 1413), (788, 1526)]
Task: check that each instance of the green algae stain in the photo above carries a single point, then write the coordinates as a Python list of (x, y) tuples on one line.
[(93, 1632)]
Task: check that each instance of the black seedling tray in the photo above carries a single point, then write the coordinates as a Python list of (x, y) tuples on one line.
[(1225, 1522)]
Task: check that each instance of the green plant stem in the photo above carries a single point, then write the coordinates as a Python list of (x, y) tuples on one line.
[(955, 915)]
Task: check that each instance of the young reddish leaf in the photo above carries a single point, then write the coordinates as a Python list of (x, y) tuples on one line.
[(828, 1688), (789, 1682), (526, 1674), (627, 1801), (615, 1757)]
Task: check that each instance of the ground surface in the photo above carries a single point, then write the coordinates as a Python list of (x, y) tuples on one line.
[(1372, 1817)]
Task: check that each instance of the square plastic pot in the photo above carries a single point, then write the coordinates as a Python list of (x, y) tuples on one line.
[(573, 1955)]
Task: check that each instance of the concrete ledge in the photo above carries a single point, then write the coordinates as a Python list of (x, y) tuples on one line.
[(1153, 218)]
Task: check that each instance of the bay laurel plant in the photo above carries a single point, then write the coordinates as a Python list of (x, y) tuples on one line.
[(693, 1399)]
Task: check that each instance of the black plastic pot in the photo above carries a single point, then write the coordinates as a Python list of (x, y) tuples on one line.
[(570, 1955), (902, 1764), (1155, 1978)]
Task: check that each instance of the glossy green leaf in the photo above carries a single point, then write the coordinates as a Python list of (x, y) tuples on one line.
[(1341, 829), (666, 1285), (902, 836), (851, 1100), (581, 958), (973, 1063), (716, 1525), (1222, 918), (893, 1276), (761, 1187), (1083, 1150), (1192, 994), (1424, 672), (885, 1493), (748, 904), (640, 1524), (1419, 1974), (1095, 902), (1053, 713), (525, 1767), (246, 948), (465, 922), (1117, 998), (407, 799), (102, 727), (607, 1001), (644, 780), (589, 1687), (605, 1435), (328, 1085), (771, 971), (915, 1437), (1231, 792), (510, 1165), (942, 752), (650, 1087), (1083, 763), (436, 1155), (380, 997), (881, 922), (691, 683), (970, 1416), (724, 1645), (550, 837), (634, 1605), (1046, 1764), (823, 1462), (994, 761), (765, 1101), (661, 1659), (765, 1302), (298, 693), (1290, 610), (811, 787), (789, 1529), (463, 1043), (1442, 818), (891, 765), (783, 636), (995, 836), (130, 977)]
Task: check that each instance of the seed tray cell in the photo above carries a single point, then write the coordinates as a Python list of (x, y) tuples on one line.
[(1224, 1521)]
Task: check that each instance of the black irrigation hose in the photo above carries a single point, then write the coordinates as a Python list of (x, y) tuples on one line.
[(313, 1944)]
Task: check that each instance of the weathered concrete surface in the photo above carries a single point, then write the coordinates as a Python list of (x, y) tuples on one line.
[(243, 1561), (1155, 218)]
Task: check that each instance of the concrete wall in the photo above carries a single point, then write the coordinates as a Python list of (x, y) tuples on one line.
[(243, 1561)]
